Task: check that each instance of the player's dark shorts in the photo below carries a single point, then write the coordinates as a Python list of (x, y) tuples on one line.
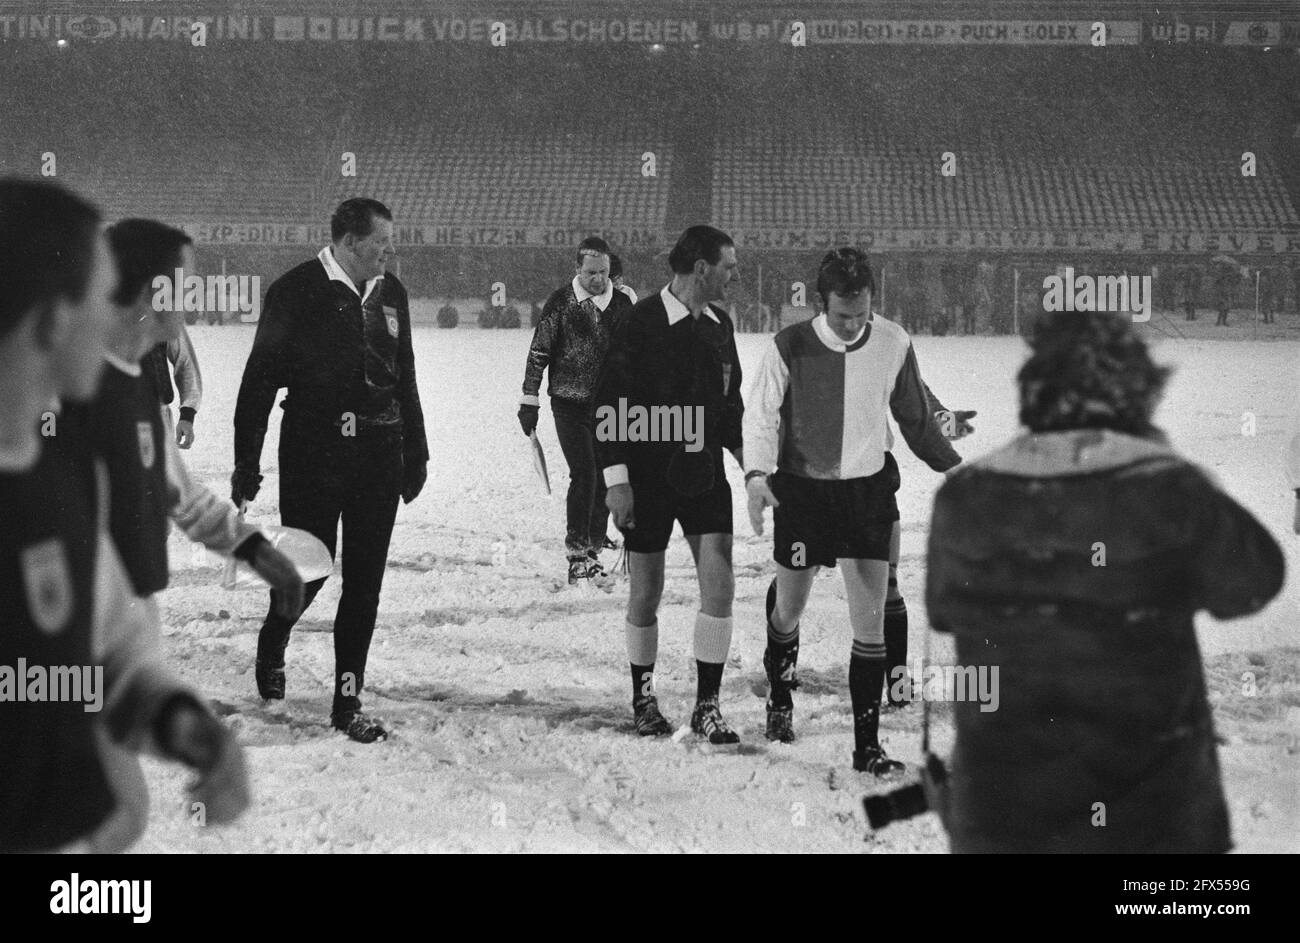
[(822, 520), (656, 506)]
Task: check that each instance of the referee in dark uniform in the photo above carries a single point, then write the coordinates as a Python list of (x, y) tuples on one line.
[(675, 352), (336, 332)]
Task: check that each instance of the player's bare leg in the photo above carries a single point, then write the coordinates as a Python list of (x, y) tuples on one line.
[(786, 598), (646, 588), (866, 583), (712, 553)]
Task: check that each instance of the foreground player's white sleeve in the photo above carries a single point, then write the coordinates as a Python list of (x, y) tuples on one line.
[(188, 378), (762, 422), (1293, 458), (205, 518)]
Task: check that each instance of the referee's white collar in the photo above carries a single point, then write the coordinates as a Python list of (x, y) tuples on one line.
[(336, 273), (601, 301), (676, 310)]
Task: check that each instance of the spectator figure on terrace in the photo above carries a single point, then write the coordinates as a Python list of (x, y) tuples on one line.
[(1268, 293), (1227, 277), (1189, 280)]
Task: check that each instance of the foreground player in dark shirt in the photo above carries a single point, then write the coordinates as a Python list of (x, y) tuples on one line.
[(336, 332), (65, 605)]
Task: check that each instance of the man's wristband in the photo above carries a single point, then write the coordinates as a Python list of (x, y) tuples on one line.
[(187, 414), (754, 474)]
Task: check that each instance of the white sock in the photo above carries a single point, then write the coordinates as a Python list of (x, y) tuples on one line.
[(712, 638), (642, 642)]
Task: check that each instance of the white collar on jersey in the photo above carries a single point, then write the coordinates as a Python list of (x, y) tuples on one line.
[(601, 301), (833, 340), (336, 273), (676, 310)]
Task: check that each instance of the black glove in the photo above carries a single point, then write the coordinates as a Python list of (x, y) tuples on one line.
[(528, 418), (414, 475), (244, 485)]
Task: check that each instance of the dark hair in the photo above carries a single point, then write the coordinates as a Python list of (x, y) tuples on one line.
[(615, 266), (47, 239), (698, 242), (357, 217), (845, 271), (1089, 370), (592, 245), (143, 249)]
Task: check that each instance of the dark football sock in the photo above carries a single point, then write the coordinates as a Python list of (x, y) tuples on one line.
[(895, 644), (709, 680), (866, 678), (642, 682)]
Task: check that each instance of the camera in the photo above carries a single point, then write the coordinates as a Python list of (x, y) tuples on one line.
[(930, 794)]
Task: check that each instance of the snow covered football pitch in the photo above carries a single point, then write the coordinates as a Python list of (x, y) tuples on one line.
[(508, 696)]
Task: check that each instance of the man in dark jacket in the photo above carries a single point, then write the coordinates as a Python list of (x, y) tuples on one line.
[(571, 339), (1073, 560), (336, 331), (667, 406)]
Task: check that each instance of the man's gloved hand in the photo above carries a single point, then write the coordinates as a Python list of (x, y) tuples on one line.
[(244, 485), (528, 418), (189, 733), (184, 434), (280, 574), (414, 476)]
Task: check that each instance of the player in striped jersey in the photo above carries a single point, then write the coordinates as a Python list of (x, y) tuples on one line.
[(818, 452)]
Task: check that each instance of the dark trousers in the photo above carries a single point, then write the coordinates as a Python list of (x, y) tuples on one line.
[(325, 477), (587, 517)]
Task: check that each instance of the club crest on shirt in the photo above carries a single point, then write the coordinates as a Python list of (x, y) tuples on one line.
[(144, 432), (390, 315), (48, 584)]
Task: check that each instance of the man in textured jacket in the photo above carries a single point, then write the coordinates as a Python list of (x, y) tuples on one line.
[(1073, 560), (571, 340), (336, 332), (667, 406)]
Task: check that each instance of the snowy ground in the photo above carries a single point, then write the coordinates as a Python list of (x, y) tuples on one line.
[(509, 698)]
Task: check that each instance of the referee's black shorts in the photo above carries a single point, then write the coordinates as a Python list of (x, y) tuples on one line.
[(656, 506), (820, 521)]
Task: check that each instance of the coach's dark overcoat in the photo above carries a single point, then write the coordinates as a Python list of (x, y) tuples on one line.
[(1074, 562)]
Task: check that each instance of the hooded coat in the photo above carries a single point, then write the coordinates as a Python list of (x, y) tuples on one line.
[(1074, 562)]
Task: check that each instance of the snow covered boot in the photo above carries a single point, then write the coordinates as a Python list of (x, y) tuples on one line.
[(873, 760), (707, 722), (649, 722), (359, 727), (270, 682), (347, 717), (579, 569)]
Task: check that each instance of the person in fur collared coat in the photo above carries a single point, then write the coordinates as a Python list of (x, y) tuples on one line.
[(1074, 559)]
